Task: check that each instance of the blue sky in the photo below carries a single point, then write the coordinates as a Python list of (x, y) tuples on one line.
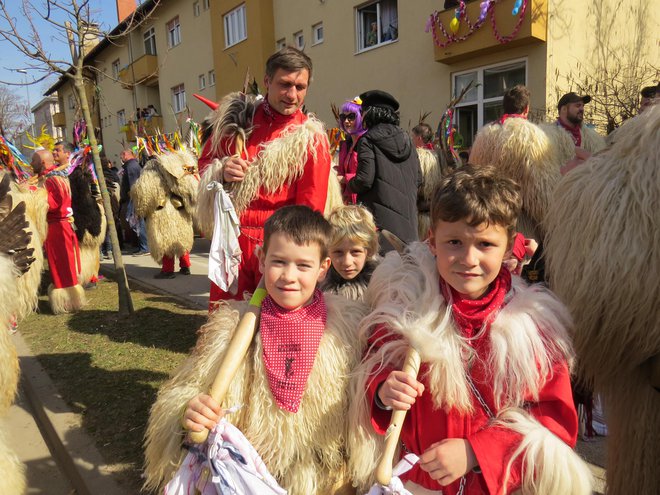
[(104, 12)]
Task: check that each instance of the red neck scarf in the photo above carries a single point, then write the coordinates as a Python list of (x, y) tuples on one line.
[(290, 340), (574, 131), (511, 116), (473, 314)]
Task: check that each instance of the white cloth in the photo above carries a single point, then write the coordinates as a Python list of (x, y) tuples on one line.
[(227, 464), (225, 254), (396, 485)]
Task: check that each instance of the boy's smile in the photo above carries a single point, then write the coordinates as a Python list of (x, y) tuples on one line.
[(468, 258), (348, 258), (291, 271)]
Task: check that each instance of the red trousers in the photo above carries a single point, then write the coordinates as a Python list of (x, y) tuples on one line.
[(168, 263)]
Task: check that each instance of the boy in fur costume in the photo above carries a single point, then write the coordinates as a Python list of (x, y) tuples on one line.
[(61, 245), (603, 257), (492, 411), (292, 412), (165, 195), (353, 252), (285, 159)]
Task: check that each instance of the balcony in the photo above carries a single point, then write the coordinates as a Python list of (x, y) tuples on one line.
[(59, 119), (470, 43), (143, 128), (144, 71)]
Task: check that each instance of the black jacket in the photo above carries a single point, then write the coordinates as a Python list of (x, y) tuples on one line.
[(132, 171), (387, 179)]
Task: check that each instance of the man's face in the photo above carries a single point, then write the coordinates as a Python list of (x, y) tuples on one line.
[(60, 155), (572, 113), (287, 90)]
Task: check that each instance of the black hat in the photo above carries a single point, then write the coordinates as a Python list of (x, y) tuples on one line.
[(378, 98), (572, 98), (649, 91)]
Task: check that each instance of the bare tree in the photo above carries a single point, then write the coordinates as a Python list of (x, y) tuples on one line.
[(73, 23), (13, 113)]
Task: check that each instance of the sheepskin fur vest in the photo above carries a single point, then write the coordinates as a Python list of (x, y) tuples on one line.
[(563, 142), (304, 451), (527, 337), (351, 289)]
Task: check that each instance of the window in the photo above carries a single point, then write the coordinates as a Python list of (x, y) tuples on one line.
[(178, 98), (483, 102), (121, 118), (317, 33), (196, 10), (115, 69), (377, 23), (150, 42), (202, 81), (235, 26), (72, 102), (211, 78), (279, 44), (299, 40), (207, 4), (173, 32)]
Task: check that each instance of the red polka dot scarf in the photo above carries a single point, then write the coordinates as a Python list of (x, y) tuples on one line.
[(290, 340)]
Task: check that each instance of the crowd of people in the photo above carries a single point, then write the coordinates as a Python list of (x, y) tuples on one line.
[(356, 266)]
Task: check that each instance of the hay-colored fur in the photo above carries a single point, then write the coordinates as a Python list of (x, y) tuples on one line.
[(67, 299), (305, 450), (333, 199), (431, 177), (527, 337), (522, 151), (12, 471), (603, 257), (90, 251), (562, 141)]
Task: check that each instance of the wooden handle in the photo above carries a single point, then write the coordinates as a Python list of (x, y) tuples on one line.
[(236, 351), (384, 468)]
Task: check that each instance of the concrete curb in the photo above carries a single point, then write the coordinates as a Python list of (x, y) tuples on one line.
[(71, 447)]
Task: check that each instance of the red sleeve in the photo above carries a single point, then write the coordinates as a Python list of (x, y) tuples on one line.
[(312, 187), (493, 446)]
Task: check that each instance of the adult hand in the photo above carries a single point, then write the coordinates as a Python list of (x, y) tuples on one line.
[(448, 460), (234, 169), (202, 412), (400, 390)]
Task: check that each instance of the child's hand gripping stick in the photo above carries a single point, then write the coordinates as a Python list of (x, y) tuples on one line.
[(236, 351), (384, 467)]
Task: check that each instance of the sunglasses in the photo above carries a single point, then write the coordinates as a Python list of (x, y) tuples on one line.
[(344, 116)]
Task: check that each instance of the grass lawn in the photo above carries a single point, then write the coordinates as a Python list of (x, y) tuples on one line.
[(109, 369)]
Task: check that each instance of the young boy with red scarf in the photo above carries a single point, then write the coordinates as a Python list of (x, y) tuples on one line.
[(293, 383), (491, 410)]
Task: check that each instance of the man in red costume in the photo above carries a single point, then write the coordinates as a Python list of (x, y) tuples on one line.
[(65, 294), (285, 161)]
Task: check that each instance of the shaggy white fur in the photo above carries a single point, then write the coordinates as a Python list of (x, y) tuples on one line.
[(603, 257), (527, 337), (90, 251), (563, 142), (67, 299), (304, 451), (431, 177)]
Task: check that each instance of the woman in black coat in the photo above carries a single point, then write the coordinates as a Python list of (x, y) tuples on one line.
[(388, 172)]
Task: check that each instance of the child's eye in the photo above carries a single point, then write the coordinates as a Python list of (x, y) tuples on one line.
[(454, 242)]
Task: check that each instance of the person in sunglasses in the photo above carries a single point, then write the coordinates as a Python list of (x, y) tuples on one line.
[(350, 122)]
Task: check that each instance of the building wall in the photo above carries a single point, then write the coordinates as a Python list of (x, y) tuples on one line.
[(43, 116)]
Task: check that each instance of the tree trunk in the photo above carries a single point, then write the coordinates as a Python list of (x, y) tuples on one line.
[(125, 300)]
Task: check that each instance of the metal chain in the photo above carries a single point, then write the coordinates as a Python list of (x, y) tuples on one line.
[(481, 400)]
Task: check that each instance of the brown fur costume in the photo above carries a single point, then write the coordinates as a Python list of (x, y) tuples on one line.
[(404, 294), (303, 451), (603, 260), (165, 195), (563, 143), (521, 150)]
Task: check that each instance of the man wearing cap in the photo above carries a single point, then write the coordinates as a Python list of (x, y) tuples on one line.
[(388, 173), (648, 97), (573, 141)]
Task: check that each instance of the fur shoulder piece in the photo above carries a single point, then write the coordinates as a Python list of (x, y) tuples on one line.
[(591, 140), (431, 171), (351, 289), (560, 140)]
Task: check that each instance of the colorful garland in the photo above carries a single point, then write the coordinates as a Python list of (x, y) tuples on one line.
[(487, 7), (13, 160)]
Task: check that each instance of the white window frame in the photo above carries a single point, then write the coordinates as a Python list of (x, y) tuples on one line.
[(196, 9), (202, 81), (179, 98), (115, 69), (149, 37), (235, 26), (174, 32), (121, 118), (299, 40), (279, 44), (480, 100), (317, 33), (206, 4), (211, 78), (361, 45)]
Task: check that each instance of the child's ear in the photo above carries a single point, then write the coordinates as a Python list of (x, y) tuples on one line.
[(325, 265), (259, 252)]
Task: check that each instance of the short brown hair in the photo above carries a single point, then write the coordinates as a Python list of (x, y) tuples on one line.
[(477, 195), (516, 99), (290, 59), (424, 131), (302, 225)]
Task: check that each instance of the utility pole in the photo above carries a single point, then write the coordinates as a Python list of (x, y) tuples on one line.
[(27, 92)]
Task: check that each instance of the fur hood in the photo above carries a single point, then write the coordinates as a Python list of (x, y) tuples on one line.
[(351, 289)]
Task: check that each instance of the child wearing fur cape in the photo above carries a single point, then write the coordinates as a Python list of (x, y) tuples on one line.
[(353, 252), (293, 383), (492, 411)]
